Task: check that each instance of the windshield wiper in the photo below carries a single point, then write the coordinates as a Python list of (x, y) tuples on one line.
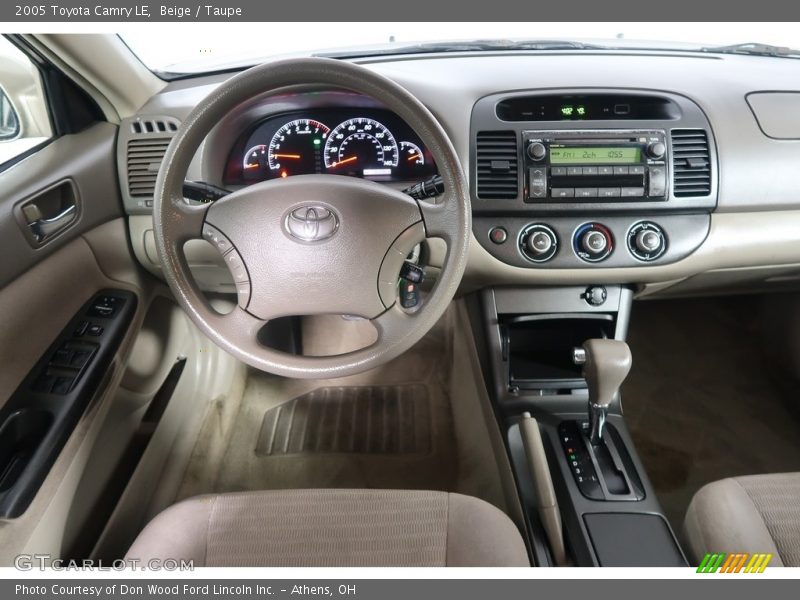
[(473, 46), (754, 49)]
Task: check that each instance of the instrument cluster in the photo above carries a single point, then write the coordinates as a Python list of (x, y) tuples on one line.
[(368, 143)]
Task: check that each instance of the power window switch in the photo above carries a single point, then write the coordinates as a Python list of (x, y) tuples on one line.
[(44, 383), (62, 385), (80, 358)]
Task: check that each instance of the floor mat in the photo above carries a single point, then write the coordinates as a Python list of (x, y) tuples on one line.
[(358, 420), (391, 427), (703, 402)]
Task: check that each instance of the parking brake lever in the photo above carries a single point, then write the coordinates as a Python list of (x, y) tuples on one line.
[(546, 502)]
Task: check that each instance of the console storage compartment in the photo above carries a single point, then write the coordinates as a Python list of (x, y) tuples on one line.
[(537, 349)]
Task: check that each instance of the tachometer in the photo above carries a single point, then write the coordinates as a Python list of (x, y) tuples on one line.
[(296, 148), (362, 147)]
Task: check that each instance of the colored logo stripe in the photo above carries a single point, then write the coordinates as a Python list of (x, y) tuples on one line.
[(734, 563)]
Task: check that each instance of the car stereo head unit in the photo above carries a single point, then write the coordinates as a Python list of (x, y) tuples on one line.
[(604, 165)]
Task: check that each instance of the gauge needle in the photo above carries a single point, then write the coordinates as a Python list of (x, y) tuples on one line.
[(251, 166), (286, 155), (346, 160), (415, 157)]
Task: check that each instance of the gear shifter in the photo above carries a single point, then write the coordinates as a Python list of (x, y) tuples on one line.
[(606, 364), (595, 451)]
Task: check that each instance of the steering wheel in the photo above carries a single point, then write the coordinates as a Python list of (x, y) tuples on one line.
[(312, 244)]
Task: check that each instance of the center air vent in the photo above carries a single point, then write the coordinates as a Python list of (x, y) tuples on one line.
[(691, 163), (143, 161), (497, 165)]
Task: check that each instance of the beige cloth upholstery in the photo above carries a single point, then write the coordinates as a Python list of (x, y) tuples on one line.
[(757, 513), (292, 528)]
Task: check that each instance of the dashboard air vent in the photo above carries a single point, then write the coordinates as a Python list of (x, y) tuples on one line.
[(497, 165), (691, 163), (156, 125), (144, 159)]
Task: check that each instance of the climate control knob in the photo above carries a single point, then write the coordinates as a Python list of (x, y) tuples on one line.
[(656, 150), (593, 242), (538, 243), (537, 151), (647, 241)]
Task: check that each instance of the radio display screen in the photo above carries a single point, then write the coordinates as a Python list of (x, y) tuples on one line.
[(595, 155)]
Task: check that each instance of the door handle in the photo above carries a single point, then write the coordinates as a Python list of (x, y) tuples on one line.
[(43, 228)]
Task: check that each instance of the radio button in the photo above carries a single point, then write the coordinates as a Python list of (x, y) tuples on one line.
[(610, 192), (658, 181), (637, 170), (621, 170), (558, 171), (632, 192), (562, 192), (586, 192), (590, 170), (537, 177), (574, 170), (605, 170)]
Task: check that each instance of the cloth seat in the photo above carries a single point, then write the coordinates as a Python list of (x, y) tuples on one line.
[(295, 528), (753, 514)]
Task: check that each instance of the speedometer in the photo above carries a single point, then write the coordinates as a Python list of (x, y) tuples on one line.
[(362, 147), (296, 148)]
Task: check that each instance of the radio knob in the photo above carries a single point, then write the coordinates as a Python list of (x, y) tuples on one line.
[(656, 150), (537, 151), (648, 241)]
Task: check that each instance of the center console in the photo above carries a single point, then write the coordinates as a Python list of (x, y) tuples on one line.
[(585, 178), (553, 360)]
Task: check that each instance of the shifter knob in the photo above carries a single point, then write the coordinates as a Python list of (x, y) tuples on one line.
[(606, 364)]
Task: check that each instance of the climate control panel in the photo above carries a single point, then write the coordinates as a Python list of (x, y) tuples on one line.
[(572, 242)]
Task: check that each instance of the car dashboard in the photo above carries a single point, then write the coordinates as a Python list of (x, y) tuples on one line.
[(659, 170)]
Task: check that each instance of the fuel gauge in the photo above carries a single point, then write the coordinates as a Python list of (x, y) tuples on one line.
[(411, 154)]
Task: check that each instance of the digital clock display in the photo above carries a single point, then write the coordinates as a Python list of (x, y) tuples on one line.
[(595, 155)]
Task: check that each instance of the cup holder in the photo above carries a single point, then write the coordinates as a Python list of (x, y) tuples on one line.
[(20, 436)]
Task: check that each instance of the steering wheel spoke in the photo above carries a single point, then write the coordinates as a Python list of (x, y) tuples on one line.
[(182, 222), (440, 218)]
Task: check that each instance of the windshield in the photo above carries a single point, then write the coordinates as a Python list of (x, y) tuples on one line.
[(186, 50)]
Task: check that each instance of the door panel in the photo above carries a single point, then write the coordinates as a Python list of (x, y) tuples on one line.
[(87, 161)]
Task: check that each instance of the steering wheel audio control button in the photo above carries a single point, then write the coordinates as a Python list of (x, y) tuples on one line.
[(217, 239), (232, 260), (593, 242)]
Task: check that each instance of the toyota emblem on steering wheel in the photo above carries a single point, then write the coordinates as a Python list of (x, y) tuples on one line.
[(311, 223)]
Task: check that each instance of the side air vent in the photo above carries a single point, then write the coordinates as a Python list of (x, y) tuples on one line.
[(145, 125), (691, 163), (497, 164), (143, 161)]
